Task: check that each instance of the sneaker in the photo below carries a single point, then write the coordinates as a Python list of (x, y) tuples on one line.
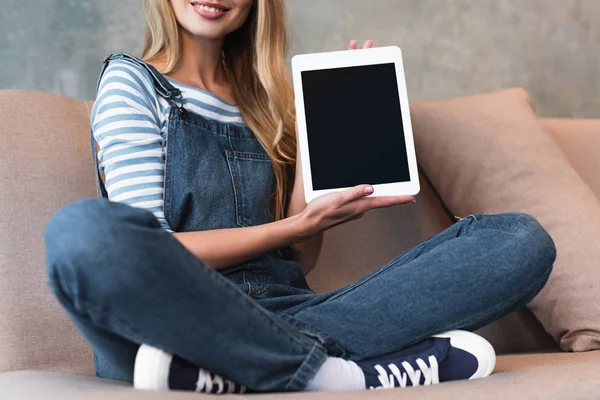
[(450, 356), (156, 369)]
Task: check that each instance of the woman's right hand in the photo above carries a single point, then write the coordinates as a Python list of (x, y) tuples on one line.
[(335, 208)]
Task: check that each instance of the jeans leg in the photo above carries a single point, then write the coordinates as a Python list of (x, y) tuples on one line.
[(476, 271), (124, 282)]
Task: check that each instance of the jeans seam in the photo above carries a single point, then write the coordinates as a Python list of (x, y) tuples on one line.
[(332, 347), (308, 369), (464, 229), (238, 194), (167, 176)]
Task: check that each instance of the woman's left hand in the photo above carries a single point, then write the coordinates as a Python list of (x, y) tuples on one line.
[(366, 45)]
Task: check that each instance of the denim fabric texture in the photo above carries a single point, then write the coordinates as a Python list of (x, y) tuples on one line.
[(125, 281)]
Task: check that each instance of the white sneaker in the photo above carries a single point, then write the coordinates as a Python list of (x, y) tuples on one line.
[(445, 357), (156, 369)]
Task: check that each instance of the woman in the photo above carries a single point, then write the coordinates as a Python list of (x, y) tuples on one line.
[(192, 276)]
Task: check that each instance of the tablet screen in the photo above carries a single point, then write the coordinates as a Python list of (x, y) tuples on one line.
[(354, 126)]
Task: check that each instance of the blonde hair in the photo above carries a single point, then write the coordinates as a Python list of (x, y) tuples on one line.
[(255, 61)]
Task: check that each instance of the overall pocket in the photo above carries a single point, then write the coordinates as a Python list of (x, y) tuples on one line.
[(253, 182)]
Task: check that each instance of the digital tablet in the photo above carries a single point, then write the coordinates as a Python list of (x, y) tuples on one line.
[(354, 122)]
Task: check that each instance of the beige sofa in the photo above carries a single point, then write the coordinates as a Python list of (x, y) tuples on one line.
[(45, 162)]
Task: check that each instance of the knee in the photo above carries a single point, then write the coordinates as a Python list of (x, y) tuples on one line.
[(70, 237), (76, 225), (76, 215), (81, 234), (533, 243), (534, 234)]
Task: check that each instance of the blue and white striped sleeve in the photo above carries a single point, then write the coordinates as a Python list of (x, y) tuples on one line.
[(127, 127)]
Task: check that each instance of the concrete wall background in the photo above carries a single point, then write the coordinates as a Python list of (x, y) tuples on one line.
[(451, 47)]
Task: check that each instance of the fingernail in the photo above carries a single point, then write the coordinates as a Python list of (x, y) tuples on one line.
[(368, 189), (414, 200)]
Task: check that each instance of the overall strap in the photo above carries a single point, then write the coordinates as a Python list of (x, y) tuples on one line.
[(163, 88)]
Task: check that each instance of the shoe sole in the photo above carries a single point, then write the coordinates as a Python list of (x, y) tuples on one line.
[(151, 370), (477, 346)]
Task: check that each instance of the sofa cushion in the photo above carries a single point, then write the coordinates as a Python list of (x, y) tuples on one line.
[(490, 154), (45, 163), (580, 141), (542, 376)]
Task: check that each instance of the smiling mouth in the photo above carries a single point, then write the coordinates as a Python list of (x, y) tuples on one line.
[(209, 7)]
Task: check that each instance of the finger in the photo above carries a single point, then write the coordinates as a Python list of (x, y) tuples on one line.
[(384, 201), (357, 216), (367, 44), (355, 193), (352, 45)]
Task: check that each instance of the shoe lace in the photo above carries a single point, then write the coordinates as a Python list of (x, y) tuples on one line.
[(430, 373), (207, 382)]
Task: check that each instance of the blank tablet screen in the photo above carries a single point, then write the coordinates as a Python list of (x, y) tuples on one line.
[(354, 126)]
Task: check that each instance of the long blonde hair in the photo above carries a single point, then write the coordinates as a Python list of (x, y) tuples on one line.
[(255, 60)]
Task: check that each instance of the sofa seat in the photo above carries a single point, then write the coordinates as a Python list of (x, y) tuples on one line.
[(527, 376)]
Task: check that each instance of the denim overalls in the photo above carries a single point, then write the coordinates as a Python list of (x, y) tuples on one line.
[(125, 281), (217, 175)]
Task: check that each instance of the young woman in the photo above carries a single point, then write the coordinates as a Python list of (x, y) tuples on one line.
[(192, 276)]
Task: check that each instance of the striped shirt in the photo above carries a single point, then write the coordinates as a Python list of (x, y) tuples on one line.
[(129, 122)]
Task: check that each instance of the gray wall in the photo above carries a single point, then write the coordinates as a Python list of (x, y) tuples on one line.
[(451, 47)]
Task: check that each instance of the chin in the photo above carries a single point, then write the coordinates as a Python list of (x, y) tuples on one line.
[(211, 19), (206, 32)]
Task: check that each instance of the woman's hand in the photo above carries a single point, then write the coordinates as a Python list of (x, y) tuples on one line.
[(366, 45), (335, 208)]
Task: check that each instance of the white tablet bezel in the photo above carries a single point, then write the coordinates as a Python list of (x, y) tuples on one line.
[(351, 58)]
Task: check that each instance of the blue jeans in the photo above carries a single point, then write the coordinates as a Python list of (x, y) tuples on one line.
[(124, 281)]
